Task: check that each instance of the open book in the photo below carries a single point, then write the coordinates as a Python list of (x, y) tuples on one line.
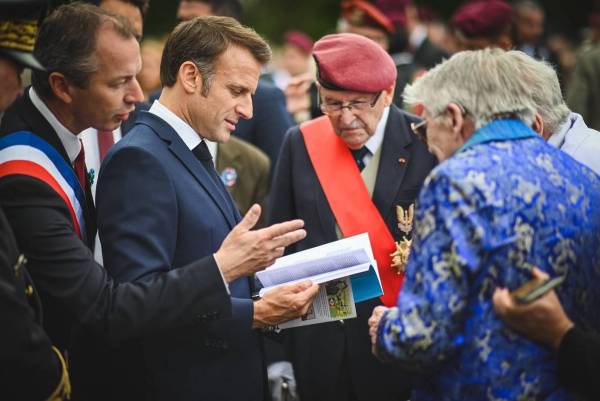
[(348, 269)]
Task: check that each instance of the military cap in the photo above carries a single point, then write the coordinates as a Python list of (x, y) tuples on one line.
[(18, 30), (361, 13), (483, 18), (299, 39), (350, 62)]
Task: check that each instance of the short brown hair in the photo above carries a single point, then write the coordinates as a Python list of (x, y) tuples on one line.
[(66, 43), (202, 40)]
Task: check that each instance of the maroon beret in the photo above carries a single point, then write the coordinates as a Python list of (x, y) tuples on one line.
[(299, 39), (395, 10), (483, 18), (346, 61), (361, 13)]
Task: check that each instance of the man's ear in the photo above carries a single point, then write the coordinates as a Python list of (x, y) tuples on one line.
[(60, 87), (462, 127), (190, 77), (538, 125), (456, 114), (388, 94)]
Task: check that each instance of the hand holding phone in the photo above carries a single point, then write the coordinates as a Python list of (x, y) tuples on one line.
[(535, 288)]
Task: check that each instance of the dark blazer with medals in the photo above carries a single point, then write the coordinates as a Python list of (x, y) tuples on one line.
[(77, 294), (160, 208), (330, 360)]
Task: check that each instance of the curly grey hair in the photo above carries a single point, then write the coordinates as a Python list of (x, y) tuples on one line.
[(484, 82)]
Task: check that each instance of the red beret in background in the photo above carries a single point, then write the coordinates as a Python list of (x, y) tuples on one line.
[(352, 62), (483, 18), (299, 39), (361, 13), (394, 10)]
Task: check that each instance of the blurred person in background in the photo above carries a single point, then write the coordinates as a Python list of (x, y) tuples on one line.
[(528, 19), (555, 122), (295, 57), (583, 94), (480, 24), (133, 11), (149, 75)]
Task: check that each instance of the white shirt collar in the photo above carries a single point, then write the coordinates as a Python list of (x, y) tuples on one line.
[(557, 139), (376, 139), (212, 148), (69, 140), (187, 134)]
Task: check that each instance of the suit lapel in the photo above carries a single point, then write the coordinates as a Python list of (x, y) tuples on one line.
[(394, 161), (187, 158)]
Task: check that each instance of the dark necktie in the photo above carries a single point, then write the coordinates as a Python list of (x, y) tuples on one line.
[(359, 156), (79, 167), (105, 141), (203, 155)]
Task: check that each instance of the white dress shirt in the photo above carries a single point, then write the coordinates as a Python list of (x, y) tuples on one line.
[(187, 134), (69, 140)]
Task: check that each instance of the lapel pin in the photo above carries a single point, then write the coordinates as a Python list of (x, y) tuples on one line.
[(402, 160)]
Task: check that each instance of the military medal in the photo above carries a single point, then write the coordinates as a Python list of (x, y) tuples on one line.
[(400, 255)]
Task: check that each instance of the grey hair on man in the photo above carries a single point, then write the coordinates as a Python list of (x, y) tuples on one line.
[(544, 88), (481, 81)]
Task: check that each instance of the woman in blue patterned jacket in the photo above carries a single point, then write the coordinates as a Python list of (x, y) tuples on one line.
[(500, 202)]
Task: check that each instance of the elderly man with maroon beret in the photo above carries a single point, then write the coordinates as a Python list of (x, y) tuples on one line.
[(356, 169)]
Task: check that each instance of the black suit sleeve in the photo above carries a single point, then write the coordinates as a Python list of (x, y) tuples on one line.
[(65, 272), (30, 369), (579, 363)]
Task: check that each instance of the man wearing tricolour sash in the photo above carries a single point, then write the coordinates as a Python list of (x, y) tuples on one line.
[(357, 169)]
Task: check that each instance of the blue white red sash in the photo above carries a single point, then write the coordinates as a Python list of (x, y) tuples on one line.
[(24, 153)]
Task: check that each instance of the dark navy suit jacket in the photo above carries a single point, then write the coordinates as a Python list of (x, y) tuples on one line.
[(342, 352), (159, 207)]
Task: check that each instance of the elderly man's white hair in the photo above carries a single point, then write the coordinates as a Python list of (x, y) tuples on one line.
[(484, 82), (545, 90)]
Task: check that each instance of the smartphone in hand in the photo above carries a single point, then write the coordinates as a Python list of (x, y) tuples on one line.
[(534, 289)]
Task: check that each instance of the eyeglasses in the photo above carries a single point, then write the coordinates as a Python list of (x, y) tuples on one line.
[(335, 108), (420, 130)]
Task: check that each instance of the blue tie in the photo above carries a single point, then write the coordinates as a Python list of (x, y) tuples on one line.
[(359, 156)]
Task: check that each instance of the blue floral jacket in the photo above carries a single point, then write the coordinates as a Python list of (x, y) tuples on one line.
[(484, 218)]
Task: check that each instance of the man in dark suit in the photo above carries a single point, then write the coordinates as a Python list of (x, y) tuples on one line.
[(317, 179), (161, 204), (270, 120), (90, 81)]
